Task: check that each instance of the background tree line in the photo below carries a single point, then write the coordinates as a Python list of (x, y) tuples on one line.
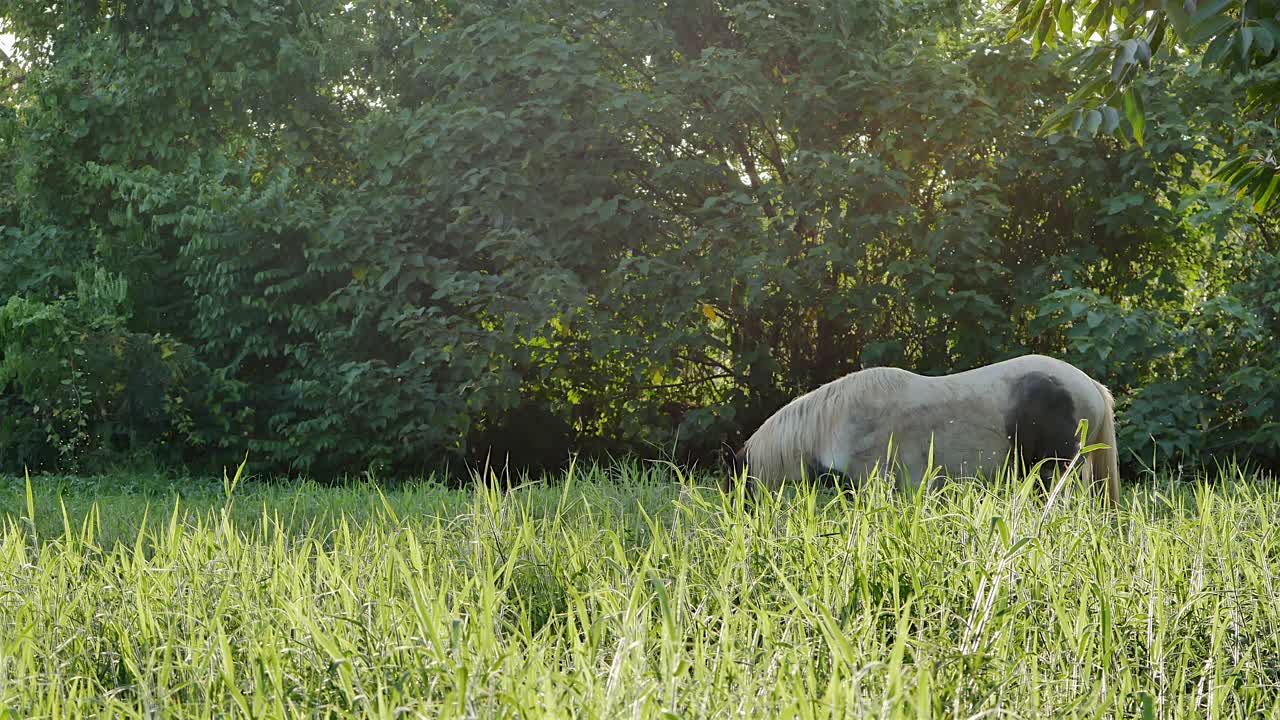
[(342, 234)]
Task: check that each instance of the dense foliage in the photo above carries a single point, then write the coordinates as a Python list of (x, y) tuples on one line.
[(400, 234), (1238, 37)]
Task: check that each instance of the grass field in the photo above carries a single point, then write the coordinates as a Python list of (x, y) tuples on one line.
[(625, 592)]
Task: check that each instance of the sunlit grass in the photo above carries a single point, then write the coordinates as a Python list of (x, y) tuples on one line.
[(622, 592)]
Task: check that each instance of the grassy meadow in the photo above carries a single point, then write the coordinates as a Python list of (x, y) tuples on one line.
[(633, 591)]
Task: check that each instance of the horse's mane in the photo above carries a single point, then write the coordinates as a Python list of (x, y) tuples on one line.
[(795, 433)]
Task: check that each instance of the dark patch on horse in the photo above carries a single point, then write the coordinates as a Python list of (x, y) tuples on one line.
[(1041, 421)]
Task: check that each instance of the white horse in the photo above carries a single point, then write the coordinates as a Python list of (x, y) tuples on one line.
[(973, 422)]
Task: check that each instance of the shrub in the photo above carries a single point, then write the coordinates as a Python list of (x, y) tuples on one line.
[(1190, 386), (76, 386)]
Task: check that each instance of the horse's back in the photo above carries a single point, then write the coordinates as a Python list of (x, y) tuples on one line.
[(1036, 379), (966, 423), (1016, 366)]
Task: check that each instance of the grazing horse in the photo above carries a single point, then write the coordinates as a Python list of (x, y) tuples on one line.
[(973, 422)]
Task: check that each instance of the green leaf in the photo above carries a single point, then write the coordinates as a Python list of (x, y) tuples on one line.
[(1229, 169), (1270, 196), (1125, 54), (1206, 14), (1265, 39), (1089, 89), (609, 208), (1092, 121), (1035, 15), (1060, 118), (1110, 119), (1142, 51), (1065, 19), (1217, 49), (1045, 31), (1157, 35), (1178, 13), (1077, 121), (1207, 28), (1244, 179), (1134, 113), (1098, 17), (1037, 31)]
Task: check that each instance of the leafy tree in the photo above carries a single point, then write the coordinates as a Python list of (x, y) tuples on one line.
[(405, 234), (1238, 38)]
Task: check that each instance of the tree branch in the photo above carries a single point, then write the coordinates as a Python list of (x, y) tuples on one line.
[(708, 362), (662, 386), (684, 383), (776, 156), (749, 162)]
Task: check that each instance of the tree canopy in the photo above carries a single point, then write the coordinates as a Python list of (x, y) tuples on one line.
[(1238, 39), (403, 234)]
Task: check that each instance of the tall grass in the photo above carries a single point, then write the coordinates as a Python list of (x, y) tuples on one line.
[(620, 592)]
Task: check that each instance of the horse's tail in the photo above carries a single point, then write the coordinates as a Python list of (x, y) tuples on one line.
[(1106, 461)]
